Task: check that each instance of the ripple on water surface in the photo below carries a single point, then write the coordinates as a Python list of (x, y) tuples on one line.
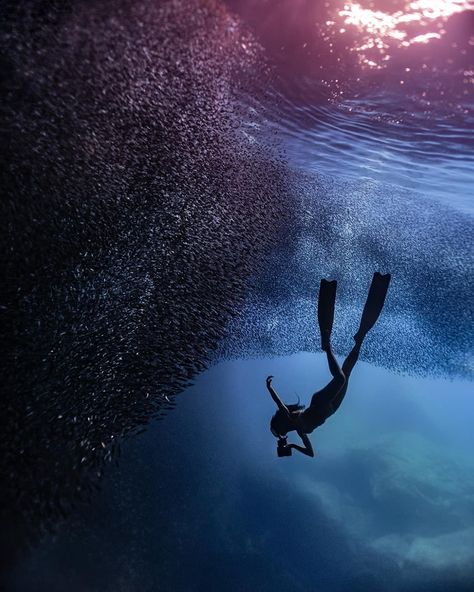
[(373, 137), (375, 90)]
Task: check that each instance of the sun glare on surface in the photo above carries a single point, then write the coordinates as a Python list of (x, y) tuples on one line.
[(419, 22)]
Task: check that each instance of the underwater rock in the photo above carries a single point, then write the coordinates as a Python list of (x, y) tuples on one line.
[(411, 502)]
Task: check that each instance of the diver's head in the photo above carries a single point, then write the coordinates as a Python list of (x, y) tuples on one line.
[(281, 424)]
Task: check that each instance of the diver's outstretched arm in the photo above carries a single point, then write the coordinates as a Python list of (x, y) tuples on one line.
[(275, 397), (308, 449)]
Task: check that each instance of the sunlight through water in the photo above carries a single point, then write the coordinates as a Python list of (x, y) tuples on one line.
[(418, 22)]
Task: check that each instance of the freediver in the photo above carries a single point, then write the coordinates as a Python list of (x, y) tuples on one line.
[(326, 401)]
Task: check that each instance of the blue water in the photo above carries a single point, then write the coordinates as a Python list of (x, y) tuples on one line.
[(202, 499), (380, 160), (364, 138)]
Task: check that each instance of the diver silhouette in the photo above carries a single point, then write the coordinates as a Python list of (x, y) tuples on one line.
[(326, 401)]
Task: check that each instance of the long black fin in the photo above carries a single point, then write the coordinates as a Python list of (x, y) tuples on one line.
[(326, 303), (374, 303)]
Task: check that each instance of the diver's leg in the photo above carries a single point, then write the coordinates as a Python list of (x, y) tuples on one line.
[(333, 364), (337, 400), (321, 400), (322, 405), (352, 358), (331, 390), (371, 313), (326, 394), (372, 309), (347, 368)]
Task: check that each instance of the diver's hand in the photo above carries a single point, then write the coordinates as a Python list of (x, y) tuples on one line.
[(269, 381), (283, 449)]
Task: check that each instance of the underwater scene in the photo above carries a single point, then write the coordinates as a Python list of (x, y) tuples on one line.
[(237, 296)]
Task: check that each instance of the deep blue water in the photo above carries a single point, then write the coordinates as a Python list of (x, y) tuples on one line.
[(379, 152), (201, 500), (426, 152)]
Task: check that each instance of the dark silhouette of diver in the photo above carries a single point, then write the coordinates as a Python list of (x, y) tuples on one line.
[(326, 401)]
